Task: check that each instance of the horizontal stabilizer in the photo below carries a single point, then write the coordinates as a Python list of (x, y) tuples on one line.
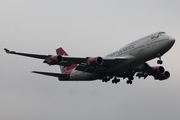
[(51, 74)]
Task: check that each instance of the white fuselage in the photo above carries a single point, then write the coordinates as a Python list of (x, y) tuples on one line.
[(142, 50)]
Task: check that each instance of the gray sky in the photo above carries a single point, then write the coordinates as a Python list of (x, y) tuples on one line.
[(84, 28)]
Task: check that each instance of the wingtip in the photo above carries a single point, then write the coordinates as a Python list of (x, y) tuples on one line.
[(6, 50)]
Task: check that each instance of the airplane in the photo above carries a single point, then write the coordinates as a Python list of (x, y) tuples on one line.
[(127, 62)]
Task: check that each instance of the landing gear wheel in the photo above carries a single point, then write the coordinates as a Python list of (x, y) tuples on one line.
[(105, 79), (129, 82), (115, 80), (159, 62)]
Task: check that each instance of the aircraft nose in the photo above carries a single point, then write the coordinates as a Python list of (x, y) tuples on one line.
[(171, 39)]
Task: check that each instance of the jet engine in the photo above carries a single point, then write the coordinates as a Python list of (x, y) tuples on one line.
[(95, 61), (162, 76), (157, 70), (54, 60)]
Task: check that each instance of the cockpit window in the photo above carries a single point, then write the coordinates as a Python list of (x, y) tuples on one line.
[(161, 32)]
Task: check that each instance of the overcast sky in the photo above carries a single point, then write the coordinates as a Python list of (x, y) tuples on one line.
[(84, 28)]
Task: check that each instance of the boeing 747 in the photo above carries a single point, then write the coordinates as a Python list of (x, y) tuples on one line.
[(127, 62)]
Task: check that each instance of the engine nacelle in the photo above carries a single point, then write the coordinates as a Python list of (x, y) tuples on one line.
[(157, 70), (95, 61), (163, 76), (54, 60)]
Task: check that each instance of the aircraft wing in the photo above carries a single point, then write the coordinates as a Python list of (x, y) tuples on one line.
[(108, 62), (86, 64), (66, 59), (27, 54)]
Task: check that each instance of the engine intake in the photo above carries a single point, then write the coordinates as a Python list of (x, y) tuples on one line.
[(95, 61), (157, 70), (163, 76), (54, 60)]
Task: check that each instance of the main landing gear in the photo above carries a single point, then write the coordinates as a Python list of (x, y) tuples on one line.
[(130, 79), (129, 82), (105, 79), (115, 80), (159, 61)]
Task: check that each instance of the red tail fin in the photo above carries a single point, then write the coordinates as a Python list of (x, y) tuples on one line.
[(60, 51)]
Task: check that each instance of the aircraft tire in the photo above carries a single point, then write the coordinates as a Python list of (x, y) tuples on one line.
[(159, 62), (129, 82)]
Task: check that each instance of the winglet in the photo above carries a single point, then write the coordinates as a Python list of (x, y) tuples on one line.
[(6, 50)]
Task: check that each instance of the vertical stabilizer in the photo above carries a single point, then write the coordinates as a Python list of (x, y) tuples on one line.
[(60, 51)]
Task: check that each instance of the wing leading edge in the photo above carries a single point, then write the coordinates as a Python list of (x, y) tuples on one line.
[(27, 54)]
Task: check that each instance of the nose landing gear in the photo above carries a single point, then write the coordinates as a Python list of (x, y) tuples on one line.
[(159, 61)]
